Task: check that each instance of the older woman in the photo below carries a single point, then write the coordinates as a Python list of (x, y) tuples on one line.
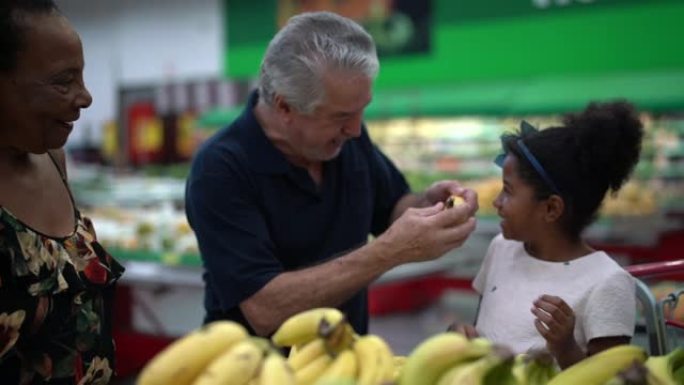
[(56, 281)]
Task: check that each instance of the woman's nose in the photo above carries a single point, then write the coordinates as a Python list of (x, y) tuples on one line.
[(84, 99)]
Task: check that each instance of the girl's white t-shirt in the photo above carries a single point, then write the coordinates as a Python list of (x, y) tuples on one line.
[(600, 292)]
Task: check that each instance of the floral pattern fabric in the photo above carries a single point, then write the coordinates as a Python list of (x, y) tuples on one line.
[(56, 298)]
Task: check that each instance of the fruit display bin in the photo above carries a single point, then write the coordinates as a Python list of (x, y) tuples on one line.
[(661, 328), (173, 282)]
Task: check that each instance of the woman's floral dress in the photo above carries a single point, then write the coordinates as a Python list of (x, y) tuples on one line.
[(56, 299)]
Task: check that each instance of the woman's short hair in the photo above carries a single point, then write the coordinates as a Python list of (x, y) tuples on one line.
[(12, 28)]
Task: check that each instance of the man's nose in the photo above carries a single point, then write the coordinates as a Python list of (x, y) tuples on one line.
[(352, 128)]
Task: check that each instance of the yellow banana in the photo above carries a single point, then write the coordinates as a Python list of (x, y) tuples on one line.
[(481, 341), (434, 356), (312, 371), (343, 367), (375, 359), (398, 366), (182, 361), (307, 325), (336, 381), (387, 357), (293, 350), (369, 360), (679, 375), (276, 371), (448, 377), (520, 369), (664, 367), (308, 353), (341, 338), (237, 366), (491, 369), (600, 367)]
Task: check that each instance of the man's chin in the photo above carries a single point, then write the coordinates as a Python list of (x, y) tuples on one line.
[(336, 152), (333, 156)]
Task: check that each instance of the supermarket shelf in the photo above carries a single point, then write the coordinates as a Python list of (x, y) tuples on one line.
[(157, 274), (147, 267), (627, 230), (164, 258)]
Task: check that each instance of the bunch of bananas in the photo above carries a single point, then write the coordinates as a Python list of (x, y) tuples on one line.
[(451, 358), (667, 369), (625, 365), (186, 358), (656, 370), (325, 350), (218, 353)]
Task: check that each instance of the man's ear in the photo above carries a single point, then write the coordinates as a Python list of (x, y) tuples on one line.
[(555, 206), (282, 108)]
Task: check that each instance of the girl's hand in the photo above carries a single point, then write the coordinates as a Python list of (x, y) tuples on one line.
[(465, 329), (555, 322)]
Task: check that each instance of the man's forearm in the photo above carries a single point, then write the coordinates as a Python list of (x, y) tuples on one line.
[(417, 235), (328, 284)]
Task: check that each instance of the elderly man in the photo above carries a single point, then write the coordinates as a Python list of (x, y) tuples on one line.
[(283, 199)]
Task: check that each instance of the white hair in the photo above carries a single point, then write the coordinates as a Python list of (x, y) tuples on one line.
[(304, 49)]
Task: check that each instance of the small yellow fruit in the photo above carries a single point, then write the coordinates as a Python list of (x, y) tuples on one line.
[(453, 201)]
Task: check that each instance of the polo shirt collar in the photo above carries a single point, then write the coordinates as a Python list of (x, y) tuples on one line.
[(264, 156)]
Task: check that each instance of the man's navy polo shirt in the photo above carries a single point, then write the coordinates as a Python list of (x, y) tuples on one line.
[(256, 215)]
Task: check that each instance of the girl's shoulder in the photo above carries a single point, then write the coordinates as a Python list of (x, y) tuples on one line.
[(606, 268), (602, 260)]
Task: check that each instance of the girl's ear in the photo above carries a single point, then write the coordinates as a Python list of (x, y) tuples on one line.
[(554, 208)]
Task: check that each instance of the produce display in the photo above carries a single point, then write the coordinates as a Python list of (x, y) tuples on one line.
[(158, 229), (162, 228), (633, 199), (325, 350)]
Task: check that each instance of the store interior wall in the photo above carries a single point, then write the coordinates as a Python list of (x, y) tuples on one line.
[(131, 42)]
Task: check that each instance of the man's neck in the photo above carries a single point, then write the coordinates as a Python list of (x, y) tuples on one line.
[(276, 134)]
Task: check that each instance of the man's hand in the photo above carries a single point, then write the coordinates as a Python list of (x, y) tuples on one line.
[(442, 190), (555, 322), (423, 234)]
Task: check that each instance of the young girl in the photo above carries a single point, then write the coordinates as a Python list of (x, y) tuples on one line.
[(541, 285)]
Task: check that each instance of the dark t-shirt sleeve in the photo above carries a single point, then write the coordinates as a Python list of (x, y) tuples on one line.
[(234, 242)]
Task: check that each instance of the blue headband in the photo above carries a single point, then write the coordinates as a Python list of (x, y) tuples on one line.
[(524, 129)]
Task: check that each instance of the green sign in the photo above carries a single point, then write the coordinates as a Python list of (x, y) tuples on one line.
[(465, 11), (503, 41)]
